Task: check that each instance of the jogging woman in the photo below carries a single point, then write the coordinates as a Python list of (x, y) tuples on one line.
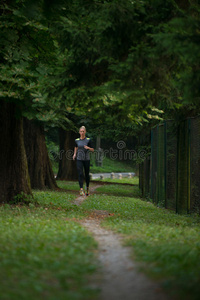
[(82, 149)]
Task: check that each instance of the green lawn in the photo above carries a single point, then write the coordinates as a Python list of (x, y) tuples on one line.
[(68, 185), (167, 243), (110, 165), (118, 190), (44, 253), (134, 180), (71, 185)]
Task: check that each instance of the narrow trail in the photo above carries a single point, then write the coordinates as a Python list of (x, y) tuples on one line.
[(119, 278)]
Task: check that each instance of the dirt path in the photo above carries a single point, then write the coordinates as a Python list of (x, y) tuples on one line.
[(118, 278)]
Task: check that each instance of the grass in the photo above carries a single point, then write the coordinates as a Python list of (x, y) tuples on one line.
[(111, 189), (44, 253), (167, 244), (68, 185), (71, 185), (134, 180), (118, 190), (110, 165)]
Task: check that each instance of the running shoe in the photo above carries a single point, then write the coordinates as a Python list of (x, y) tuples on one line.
[(87, 192), (82, 193)]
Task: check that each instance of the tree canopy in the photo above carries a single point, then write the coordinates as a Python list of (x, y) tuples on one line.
[(138, 61)]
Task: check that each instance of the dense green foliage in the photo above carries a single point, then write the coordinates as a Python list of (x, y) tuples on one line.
[(119, 67), (134, 59), (130, 59), (23, 55)]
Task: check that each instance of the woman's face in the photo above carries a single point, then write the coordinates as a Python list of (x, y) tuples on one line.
[(82, 132)]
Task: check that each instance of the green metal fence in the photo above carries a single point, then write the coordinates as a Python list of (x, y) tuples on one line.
[(194, 167), (175, 166), (144, 166)]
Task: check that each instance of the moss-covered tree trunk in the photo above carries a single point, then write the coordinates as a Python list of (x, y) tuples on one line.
[(39, 165), (14, 177), (67, 166)]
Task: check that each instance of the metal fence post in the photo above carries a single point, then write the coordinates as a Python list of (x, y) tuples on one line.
[(188, 169), (177, 165), (165, 161)]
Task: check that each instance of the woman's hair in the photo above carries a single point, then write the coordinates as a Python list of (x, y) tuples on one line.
[(82, 127)]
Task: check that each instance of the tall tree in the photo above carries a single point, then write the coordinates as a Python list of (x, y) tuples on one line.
[(39, 165), (14, 176), (22, 64), (67, 166)]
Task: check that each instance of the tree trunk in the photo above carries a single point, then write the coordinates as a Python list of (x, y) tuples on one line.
[(14, 177), (67, 166), (39, 165)]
